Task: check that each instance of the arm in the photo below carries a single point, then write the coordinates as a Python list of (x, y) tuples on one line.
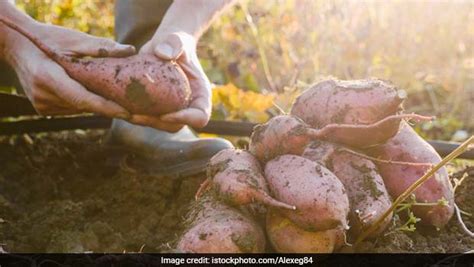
[(46, 84), (175, 39), (178, 17)]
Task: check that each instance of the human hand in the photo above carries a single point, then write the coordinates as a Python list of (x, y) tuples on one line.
[(47, 85), (181, 47)]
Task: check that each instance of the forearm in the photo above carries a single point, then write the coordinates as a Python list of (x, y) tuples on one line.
[(192, 17), (9, 39)]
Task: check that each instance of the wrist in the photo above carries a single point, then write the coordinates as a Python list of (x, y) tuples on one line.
[(15, 44), (10, 40)]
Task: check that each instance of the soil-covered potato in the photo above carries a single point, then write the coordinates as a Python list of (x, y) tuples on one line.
[(353, 102), (236, 178), (214, 227), (320, 198), (280, 135), (286, 237), (408, 146), (365, 188)]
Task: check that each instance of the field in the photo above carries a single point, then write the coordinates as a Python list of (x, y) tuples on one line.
[(68, 192), (57, 196)]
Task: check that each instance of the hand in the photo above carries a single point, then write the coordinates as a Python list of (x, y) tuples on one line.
[(181, 47), (47, 85)]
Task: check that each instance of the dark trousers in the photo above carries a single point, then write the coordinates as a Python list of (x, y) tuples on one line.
[(135, 23)]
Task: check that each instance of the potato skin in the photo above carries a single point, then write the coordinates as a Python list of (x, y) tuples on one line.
[(286, 237), (408, 146), (280, 135), (233, 159), (320, 198), (368, 197), (143, 84), (236, 177), (356, 102), (217, 228), (348, 102)]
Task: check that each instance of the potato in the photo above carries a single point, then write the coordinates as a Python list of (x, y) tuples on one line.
[(286, 237), (236, 177), (287, 134), (408, 146), (280, 135), (348, 102), (320, 198), (356, 102), (214, 227), (142, 83), (366, 191)]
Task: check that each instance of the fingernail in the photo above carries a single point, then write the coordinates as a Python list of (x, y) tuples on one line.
[(130, 48), (164, 50)]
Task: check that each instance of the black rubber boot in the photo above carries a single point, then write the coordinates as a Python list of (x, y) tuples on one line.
[(181, 153)]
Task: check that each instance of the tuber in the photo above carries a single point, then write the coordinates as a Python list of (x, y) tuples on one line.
[(280, 135), (213, 227), (236, 177), (366, 190), (142, 83), (286, 237), (320, 198), (436, 196), (351, 102), (286, 134)]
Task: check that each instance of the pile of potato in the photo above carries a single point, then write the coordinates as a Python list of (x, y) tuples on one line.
[(310, 178)]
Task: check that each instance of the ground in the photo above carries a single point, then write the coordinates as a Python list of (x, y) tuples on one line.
[(68, 192)]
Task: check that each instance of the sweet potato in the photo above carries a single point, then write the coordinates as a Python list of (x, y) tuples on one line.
[(356, 102), (286, 237), (280, 135), (366, 190), (142, 83), (236, 177), (214, 227), (408, 146), (287, 134), (320, 198)]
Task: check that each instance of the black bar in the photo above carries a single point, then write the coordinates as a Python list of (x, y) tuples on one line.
[(182, 259), (53, 124), (232, 128), (15, 105), (96, 122), (444, 148)]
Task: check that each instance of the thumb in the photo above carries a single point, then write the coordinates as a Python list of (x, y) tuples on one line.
[(169, 48)]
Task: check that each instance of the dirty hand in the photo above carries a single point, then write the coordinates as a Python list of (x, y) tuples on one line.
[(47, 85), (181, 47)]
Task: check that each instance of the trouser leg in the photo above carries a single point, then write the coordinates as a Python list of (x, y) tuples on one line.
[(181, 153)]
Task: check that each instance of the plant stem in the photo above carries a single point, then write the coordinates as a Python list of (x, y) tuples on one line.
[(458, 151)]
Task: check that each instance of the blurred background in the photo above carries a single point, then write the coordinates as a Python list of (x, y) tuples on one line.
[(261, 53)]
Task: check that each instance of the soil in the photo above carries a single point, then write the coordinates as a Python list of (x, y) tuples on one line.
[(67, 192)]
